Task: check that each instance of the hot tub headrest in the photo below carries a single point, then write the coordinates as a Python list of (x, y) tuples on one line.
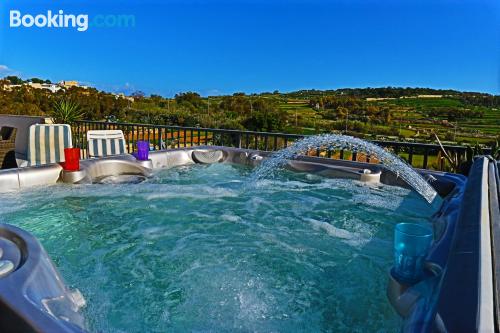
[(207, 156)]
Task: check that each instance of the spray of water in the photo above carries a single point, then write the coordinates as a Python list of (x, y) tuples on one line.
[(337, 141)]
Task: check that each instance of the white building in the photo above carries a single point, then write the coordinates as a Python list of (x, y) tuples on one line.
[(49, 86)]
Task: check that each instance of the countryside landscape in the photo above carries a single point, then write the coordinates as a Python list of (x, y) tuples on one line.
[(389, 113)]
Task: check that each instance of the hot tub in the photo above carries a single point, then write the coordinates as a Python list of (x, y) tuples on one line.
[(195, 246)]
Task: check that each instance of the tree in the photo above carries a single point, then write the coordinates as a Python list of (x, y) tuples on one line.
[(14, 79), (138, 94), (386, 114), (37, 80), (190, 100)]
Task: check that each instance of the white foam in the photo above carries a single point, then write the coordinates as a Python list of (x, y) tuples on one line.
[(193, 192), (354, 239), (230, 218)]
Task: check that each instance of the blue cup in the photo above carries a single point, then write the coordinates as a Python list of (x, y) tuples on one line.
[(411, 246)]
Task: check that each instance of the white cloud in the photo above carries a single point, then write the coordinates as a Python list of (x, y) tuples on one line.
[(126, 88), (6, 70), (210, 92)]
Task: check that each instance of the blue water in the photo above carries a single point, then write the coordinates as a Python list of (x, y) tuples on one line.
[(195, 250)]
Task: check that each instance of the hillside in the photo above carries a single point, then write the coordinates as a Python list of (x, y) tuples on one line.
[(411, 114)]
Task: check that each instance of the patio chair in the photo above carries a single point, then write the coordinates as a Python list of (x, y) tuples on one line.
[(47, 142), (101, 143)]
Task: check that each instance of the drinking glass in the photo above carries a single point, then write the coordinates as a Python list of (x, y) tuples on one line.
[(72, 159), (411, 246), (142, 150)]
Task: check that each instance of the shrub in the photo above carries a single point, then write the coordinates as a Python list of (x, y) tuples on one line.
[(66, 111)]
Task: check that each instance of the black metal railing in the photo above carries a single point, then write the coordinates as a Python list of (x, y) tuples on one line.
[(425, 156)]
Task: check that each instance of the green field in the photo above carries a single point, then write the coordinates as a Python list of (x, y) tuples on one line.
[(410, 120)]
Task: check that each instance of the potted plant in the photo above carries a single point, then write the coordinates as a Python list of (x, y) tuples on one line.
[(66, 111)]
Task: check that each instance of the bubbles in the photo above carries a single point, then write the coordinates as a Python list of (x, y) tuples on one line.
[(192, 250)]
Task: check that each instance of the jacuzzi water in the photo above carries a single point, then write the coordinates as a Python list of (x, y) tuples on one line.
[(194, 249)]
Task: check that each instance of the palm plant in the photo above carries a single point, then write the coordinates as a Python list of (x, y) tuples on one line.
[(66, 111)]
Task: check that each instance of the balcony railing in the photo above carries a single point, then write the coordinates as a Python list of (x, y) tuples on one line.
[(425, 156)]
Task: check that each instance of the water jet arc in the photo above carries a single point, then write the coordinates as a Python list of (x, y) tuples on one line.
[(337, 141)]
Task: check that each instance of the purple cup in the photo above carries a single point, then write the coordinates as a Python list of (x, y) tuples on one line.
[(142, 150)]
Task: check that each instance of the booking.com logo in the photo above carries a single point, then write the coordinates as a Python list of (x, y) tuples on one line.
[(59, 19)]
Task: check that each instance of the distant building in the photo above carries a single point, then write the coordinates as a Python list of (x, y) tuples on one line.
[(122, 95), (370, 99), (10, 87), (430, 96), (423, 96), (49, 86), (68, 84)]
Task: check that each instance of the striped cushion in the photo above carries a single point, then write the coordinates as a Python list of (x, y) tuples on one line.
[(106, 147), (47, 143)]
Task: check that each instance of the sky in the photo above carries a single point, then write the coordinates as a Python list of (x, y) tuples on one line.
[(222, 47)]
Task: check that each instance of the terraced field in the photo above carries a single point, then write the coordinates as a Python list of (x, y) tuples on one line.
[(410, 120)]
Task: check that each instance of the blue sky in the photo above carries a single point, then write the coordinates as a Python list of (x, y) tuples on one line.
[(220, 47)]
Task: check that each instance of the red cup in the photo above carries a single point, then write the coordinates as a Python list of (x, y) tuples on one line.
[(72, 157)]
